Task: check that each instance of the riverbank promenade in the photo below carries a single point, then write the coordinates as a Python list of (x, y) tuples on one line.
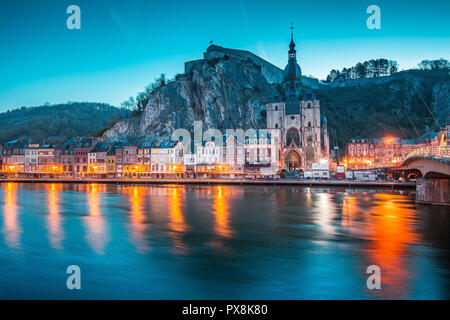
[(201, 181)]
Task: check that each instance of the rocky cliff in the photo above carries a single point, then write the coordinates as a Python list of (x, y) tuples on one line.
[(221, 92)]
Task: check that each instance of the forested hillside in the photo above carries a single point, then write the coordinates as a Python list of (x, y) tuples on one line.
[(71, 119), (406, 105)]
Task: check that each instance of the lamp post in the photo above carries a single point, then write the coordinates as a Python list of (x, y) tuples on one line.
[(336, 147)]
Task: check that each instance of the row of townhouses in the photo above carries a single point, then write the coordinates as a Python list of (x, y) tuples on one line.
[(364, 153), (93, 157)]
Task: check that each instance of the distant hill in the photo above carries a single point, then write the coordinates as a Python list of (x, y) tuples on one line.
[(71, 119)]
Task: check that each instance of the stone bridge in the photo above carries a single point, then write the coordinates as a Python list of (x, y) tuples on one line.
[(431, 162), (433, 166)]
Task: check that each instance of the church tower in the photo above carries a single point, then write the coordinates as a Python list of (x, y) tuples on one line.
[(311, 129), (296, 119), (292, 74)]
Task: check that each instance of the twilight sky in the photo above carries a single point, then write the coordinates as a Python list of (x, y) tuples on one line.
[(123, 45)]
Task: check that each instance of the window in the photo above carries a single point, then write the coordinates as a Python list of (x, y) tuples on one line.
[(293, 136), (276, 108), (276, 125), (309, 154)]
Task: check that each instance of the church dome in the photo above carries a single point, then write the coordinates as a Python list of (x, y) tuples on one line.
[(292, 71)]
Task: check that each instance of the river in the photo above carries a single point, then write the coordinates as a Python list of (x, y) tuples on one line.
[(219, 242)]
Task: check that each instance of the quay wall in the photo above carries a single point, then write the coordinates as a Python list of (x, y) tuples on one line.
[(433, 191), (281, 182)]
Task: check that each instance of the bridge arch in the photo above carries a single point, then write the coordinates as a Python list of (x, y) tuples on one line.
[(428, 167)]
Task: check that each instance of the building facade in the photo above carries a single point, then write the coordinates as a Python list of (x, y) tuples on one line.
[(364, 153)]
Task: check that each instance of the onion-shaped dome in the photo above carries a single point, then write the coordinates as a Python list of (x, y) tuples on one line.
[(292, 71)]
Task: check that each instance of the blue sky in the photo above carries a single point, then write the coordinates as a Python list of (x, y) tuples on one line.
[(123, 45)]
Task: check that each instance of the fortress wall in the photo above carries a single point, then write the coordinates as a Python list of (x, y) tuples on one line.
[(272, 73)]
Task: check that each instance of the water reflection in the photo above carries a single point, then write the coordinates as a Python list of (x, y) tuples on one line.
[(386, 221), (177, 223), (228, 241), (97, 236), (176, 197), (11, 229), (221, 212), (325, 214), (392, 234), (137, 216), (54, 216)]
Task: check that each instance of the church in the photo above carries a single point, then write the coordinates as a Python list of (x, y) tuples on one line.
[(297, 120)]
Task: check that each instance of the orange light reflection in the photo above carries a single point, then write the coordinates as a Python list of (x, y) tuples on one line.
[(11, 229), (221, 213), (95, 223), (54, 218), (138, 217)]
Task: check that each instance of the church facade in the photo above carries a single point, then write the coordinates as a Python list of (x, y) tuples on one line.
[(297, 121)]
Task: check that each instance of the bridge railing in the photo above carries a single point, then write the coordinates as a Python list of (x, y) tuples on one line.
[(437, 152)]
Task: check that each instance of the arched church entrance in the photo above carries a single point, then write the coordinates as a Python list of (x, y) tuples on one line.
[(292, 161)]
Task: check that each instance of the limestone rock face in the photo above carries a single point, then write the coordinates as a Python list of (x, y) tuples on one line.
[(441, 100), (227, 92)]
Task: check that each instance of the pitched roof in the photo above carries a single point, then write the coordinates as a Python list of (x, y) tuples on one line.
[(101, 147)]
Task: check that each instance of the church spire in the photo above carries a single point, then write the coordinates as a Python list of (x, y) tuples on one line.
[(292, 52)]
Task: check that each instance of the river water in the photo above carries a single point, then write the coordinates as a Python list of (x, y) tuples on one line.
[(219, 242)]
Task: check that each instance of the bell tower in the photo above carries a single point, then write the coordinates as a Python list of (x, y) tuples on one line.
[(292, 73)]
